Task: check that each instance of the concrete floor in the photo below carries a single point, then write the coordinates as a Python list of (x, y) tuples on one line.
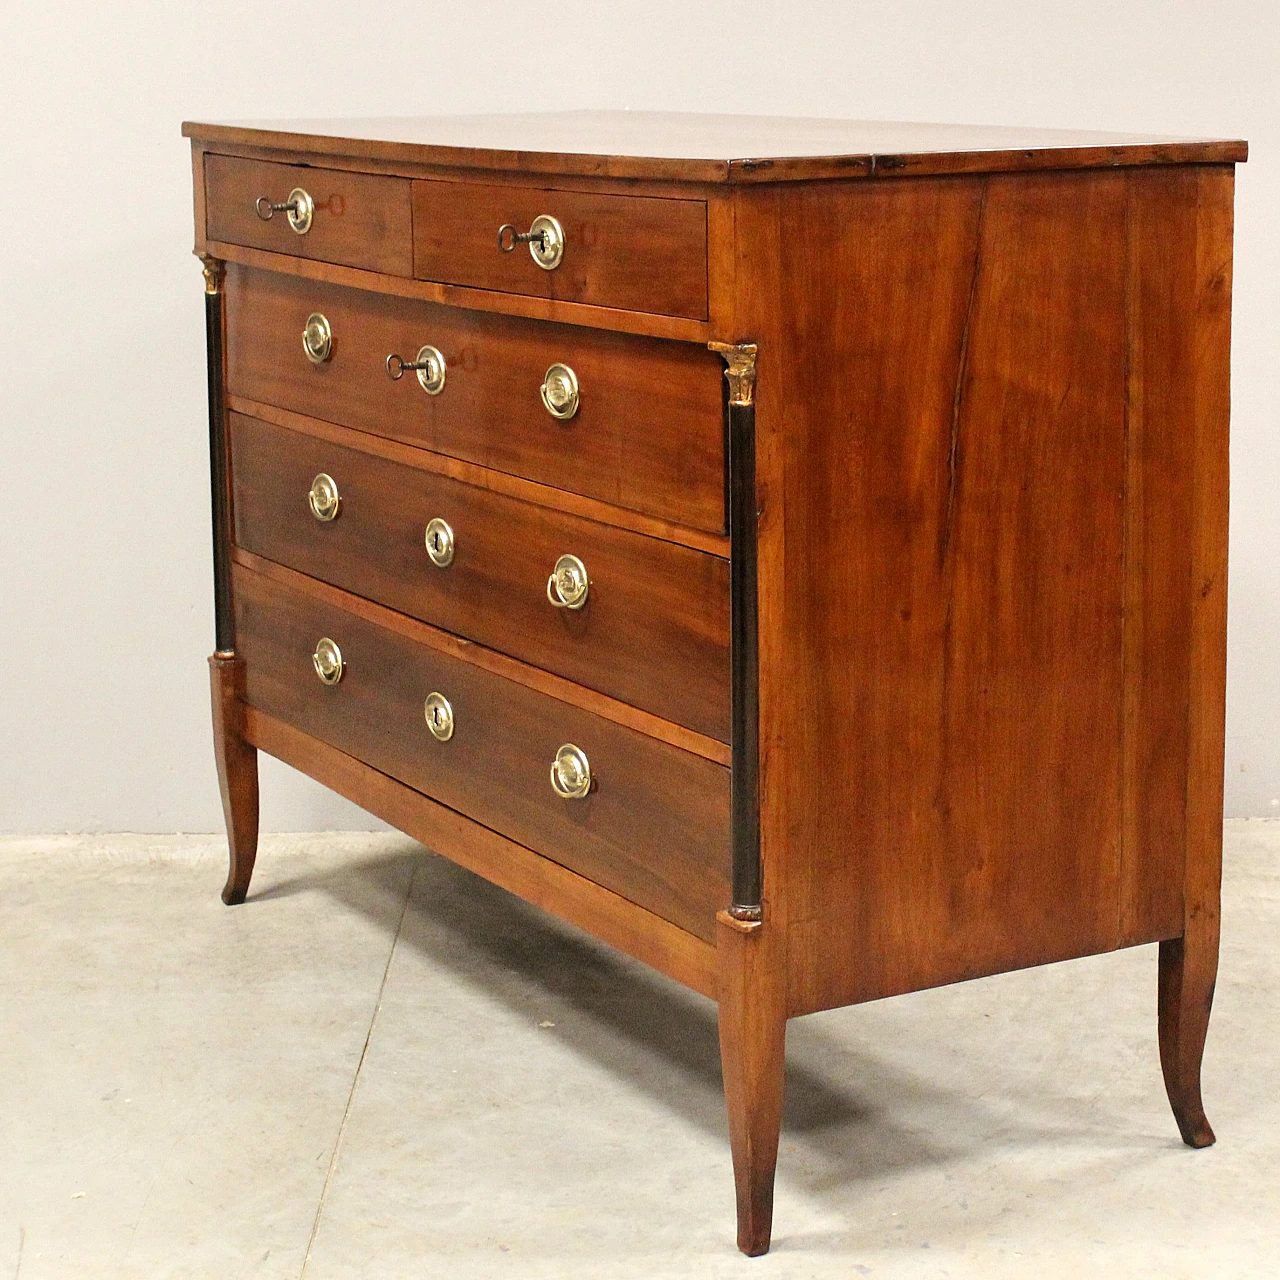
[(383, 1067)]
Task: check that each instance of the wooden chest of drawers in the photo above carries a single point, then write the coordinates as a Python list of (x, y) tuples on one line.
[(892, 657)]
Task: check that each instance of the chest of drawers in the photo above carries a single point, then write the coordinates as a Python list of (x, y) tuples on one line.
[(792, 551)]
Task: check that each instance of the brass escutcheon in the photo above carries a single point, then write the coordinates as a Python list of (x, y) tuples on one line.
[(560, 396), (439, 540), (545, 239), (323, 498), (439, 716), (299, 207), (428, 364), (327, 661), (571, 773), (317, 338), (568, 585)]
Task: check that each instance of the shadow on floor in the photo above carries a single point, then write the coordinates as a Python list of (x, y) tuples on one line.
[(661, 1038)]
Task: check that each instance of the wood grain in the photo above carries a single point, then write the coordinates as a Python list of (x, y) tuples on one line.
[(654, 829), (500, 664), (438, 464), (1161, 429), (696, 147), (511, 866), (200, 247), (1189, 965), (953, 792), (361, 220), (648, 435), (753, 1025), (512, 304), (634, 253), (654, 631), (237, 762)]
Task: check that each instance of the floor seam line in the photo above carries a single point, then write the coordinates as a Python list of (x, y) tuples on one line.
[(355, 1080)]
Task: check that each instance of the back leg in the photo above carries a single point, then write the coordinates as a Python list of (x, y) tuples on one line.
[(1188, 971)]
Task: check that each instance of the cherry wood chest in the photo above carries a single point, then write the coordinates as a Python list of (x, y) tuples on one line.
[(792, 551)]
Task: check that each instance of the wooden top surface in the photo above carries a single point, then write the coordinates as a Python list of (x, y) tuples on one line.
[(711, 148)]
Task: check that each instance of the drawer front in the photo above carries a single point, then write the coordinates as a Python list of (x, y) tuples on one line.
[(357, 219), (655, 827), (648, 433), (635, 253), (653, 631)]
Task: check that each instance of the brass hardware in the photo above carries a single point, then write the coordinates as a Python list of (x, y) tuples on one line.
[(439, 540), (545, 239), (559, 389), (568, 585), (571, 773), (299, 207), (323, 499), (327, 661), (317, 338), (746, 915), (429, 365), (741, 370), (214, 270), (439, 715)]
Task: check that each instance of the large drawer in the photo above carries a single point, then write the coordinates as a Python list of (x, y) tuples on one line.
[(352, 219), (648, 433), (636, 253), (654, 827), (654, 628)]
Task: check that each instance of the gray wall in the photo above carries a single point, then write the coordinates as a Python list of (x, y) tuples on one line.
[(104, 564)]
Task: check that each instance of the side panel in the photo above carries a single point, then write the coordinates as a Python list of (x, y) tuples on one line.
[(953, 712), (1180, 231)]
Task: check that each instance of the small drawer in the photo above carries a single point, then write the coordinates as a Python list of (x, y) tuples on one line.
[(352, 219), (645, 431), (652, 628), (635, 253), (654, 826)]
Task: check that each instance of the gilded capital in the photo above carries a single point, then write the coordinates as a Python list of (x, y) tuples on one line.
[(214, 271), (740, 359)]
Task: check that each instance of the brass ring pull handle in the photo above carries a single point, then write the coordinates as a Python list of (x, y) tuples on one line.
[(439, 716), (560, 394), (545, 239), (299, 207), (323, 498), (439, 540), (571, 773), (568, 585), (327, 661), (428, 364), (317, 338)]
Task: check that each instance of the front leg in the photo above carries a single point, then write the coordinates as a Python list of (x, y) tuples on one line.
[(753, 1025), (237, 772)]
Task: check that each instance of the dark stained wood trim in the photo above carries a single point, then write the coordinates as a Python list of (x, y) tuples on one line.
[(538, 880), (744, 662), (744, 658), (485, 478), (511, 304), (490, 660), (219, 477)]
